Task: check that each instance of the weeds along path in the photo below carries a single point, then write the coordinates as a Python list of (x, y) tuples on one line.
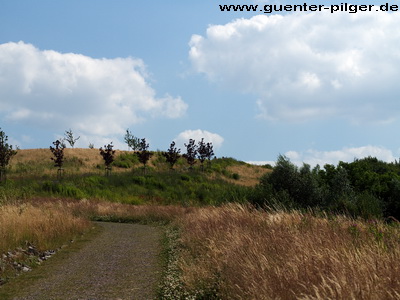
[(121, 262)]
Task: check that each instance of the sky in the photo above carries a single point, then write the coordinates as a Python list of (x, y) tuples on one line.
[(318, 87)]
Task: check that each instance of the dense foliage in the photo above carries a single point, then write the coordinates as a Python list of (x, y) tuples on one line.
[(6, 152), (365, 187)]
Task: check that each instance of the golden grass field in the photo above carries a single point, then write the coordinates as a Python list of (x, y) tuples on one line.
[(249, 254)]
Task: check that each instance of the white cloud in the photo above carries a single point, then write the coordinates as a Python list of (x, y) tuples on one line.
[(97, 97), (314, 157), (197, 135), (308, 65), (261, 162)]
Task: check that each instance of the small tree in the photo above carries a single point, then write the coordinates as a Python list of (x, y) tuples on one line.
[(132, 141), (6, 152), (172, 155), (108, 157), (58, 152), (69, 137), (143, 154), (204, 151), (191, 152), (209, 152)]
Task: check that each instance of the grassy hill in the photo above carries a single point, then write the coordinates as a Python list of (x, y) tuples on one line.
[(32, 173), (84, 160)]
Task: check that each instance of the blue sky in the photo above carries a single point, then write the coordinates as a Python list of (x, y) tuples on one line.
[(317, 87)]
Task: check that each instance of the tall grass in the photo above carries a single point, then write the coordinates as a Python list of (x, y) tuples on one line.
[(234, 252), (45, 227)]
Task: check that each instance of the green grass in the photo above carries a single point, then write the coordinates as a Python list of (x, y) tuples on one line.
[(166, 187)]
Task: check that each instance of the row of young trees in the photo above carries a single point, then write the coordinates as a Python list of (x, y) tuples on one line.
[(201, 152)]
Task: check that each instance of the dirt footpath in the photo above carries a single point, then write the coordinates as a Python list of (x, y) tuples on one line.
[(122, 262)]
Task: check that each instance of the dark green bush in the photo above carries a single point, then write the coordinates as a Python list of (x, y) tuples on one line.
[(236, 176)]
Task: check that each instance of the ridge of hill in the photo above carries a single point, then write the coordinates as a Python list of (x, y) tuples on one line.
[(84, 160)]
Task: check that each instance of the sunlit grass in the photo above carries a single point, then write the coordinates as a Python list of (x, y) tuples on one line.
[(235, 252), (45, 227)]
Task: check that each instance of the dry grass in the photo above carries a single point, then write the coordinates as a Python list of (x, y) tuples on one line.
[(49, 222), (245, 254), (87, 159), (40, 160), (249, 175), (90, 157), (46, 227), (108, 211)]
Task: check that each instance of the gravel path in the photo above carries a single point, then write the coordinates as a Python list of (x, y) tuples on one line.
[(119, 263)]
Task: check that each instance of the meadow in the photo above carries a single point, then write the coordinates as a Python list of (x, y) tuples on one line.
[(217, 245)]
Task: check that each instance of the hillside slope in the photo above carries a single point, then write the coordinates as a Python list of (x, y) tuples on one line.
[(84, 160)]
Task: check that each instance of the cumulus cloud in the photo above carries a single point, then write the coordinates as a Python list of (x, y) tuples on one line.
[(314, 157), (97, 97), (197, 135), (304, 66)]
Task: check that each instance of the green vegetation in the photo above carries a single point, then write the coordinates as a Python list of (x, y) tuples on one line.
[(6, 152), (192, 188), (126, 160), (132, 141), (366, 188)]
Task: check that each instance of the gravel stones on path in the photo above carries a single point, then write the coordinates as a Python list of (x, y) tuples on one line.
[(122, 262)]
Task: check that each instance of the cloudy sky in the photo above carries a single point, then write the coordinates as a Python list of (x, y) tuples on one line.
[(318, 87)]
